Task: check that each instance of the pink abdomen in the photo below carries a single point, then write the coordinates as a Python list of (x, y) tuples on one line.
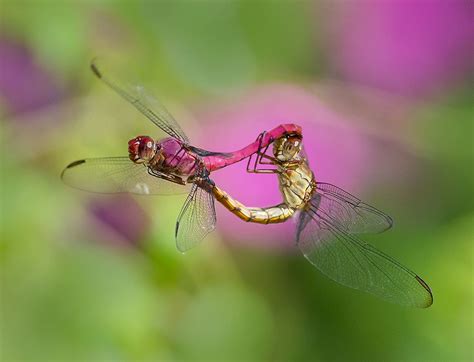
[(217, 161)]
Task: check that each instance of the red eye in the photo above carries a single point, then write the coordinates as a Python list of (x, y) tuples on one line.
[(140, 148), (133, 146), (146, 143)]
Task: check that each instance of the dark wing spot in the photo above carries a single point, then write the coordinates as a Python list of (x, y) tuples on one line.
[(75, 163), (424, 285), (176, 229), (95, 70)]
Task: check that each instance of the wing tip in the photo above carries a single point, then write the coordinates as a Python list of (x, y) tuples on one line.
[(428, 289), (178, 244), (71, 165)]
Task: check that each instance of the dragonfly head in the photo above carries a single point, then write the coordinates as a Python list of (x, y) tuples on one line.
[(142, 149), (288, 147)]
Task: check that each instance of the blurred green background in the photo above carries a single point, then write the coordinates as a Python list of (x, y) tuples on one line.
[(97, 278)]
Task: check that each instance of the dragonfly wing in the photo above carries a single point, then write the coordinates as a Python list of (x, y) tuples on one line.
[(117, 175), (143, 102), (348, 260), (196, 219), (348, 212)]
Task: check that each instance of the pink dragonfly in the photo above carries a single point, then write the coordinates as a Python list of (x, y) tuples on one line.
[(164, 166)]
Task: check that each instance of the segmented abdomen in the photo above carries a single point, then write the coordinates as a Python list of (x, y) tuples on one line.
[(266, 215)]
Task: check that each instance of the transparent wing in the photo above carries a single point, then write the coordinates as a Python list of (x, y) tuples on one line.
[(144, 102), (348, 212), (356, 264), (196, 219), (116, 175)]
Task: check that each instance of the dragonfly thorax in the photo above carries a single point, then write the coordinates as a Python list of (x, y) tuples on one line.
[(142, 149), (297, 184)]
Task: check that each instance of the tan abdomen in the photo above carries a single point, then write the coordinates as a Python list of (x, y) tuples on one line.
[(266, 215)]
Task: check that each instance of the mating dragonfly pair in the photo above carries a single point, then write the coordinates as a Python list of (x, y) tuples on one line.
[(329, 219)]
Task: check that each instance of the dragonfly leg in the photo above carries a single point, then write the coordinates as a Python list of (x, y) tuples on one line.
[(259, 139), (171, 178), (259, 159), (262, 155)]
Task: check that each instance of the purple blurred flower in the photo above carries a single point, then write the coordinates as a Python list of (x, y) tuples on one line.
[(408, 47), (337, 151), (123, 216), (24, 84)]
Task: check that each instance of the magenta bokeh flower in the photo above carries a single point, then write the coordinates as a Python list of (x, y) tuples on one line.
[(124, 220), (338, 152), (409, 47), (25, 85)]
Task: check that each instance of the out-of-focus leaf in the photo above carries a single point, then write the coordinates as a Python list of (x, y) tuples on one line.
[(204, 42), (225, 322)]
